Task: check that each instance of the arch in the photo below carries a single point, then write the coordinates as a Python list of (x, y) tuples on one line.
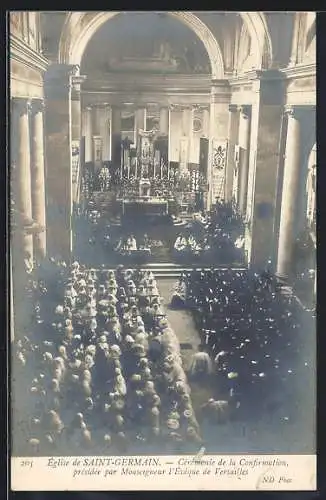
[(79, 27), (311, 20), (311, 32), (260, 38)]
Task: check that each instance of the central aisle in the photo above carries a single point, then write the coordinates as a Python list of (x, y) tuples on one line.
[(181, 321), (183, 325)]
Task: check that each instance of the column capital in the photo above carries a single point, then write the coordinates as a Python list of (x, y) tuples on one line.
[(22, 105), (233, 108), (38, 106), (78, 79), (200, 107), (291, 111), (245, 110), (58, 79), (180, 107)]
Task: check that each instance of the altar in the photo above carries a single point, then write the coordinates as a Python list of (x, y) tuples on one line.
[(144, 207)]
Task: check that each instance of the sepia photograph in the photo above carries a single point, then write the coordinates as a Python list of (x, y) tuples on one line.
[(162, 234)]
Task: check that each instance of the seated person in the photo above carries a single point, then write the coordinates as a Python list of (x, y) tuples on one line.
[(119, 246), (145, 243), (239, 242), (194, 247), (180, 244), (131, 243), (178, 298)]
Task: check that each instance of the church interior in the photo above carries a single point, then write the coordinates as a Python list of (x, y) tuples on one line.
[(163, 232)]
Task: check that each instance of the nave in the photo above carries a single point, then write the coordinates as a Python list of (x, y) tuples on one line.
[(163, 232), (117, 362)]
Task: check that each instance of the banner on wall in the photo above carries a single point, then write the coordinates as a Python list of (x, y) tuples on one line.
[(235, 183), (147, 148), (183, 153), (219, 154), (97, 151), (75, 158)]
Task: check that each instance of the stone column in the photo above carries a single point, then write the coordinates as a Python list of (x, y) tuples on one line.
[(105, 132), (76, 81), (264, 167), (140, 123), (164, 121), (116, 136), (58, 131), (290, 190), (244, 143), (24, 197), (96, 119), (38, 184), (88, 135), (175, 133), (233, 132)]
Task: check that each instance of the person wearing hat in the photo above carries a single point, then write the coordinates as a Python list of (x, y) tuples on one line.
[(112, 312), (146, 374), (121, 294), (217, 412), (141, 338), (155, 349), (111, 299), (110, 274), (138, 351), (81, 282), (91, 293), (193, 436), (115, 351), (59, 310), (120, 385), (107, 441), (201, 365), (68, 330), (101, 292), (113, 283), (131, 289), (189, 419), (143, 363), (153, 417), (158, 312), (92, 274)]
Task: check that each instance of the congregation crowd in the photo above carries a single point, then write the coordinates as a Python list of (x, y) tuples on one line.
[(215, 236), (251, 331), (101, 367)]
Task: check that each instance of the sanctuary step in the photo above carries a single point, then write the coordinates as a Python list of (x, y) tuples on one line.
[(169, 270)]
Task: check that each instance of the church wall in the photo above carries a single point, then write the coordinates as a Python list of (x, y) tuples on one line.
[(221, 120), (175, 134), (25, 82)]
